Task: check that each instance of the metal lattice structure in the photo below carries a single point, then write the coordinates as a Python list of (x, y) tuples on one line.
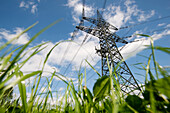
[(109, 50)]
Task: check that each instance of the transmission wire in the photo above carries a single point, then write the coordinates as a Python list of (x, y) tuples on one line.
[(75, 54), (149, 32), (74, 34), (104, 5), (146, 33), (91, 70), (145, 22)]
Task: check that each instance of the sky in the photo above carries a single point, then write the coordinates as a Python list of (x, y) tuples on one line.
[(17, 15)]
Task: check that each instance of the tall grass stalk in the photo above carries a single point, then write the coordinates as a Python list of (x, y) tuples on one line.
[(105, 97)]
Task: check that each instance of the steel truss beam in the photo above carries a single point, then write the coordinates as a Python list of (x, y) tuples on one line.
[(109, 50)]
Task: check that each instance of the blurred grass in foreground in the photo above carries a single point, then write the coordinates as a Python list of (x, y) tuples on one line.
[(106, 96)]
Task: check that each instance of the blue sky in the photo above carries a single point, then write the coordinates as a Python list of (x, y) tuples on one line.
[(16, 15)]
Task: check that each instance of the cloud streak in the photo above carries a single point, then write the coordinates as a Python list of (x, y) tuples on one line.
[(132, 49), (31, 5), (119, 16), (8, 35), (113, 14), (77, 7)]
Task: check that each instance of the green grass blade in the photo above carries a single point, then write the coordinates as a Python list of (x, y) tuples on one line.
[(85, 76), (5, 62), (66, 98), (164, 49), (34, 53), (153, 56), (62, 78), (77, 103), (101, 88), (88, 94), (45, 103), (143, 35), (32, 91), (162, 85), (31, 106), (9, 42), (6, 80), (22, 90), (50, 85), (163, 72), (46, 55), (24, 47), (93, 68), (49, 92), (147, 69), (152, 98), (36, 50), (134, 111), (118, 90), (21, 79)]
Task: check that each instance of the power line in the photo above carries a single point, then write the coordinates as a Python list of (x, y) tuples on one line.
[(91, 70), (156, 30), (76, 54), (145, 22), (92, 76), (119, 28), (147, 33), (84, 40), (104, 5), (74, 33), (63, 57)]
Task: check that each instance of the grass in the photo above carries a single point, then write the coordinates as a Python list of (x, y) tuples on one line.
[(106, 96)]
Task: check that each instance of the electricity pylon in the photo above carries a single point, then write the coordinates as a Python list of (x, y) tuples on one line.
[(109, 52)]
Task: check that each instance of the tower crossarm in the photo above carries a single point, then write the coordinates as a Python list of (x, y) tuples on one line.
[(100, 22), (101, 33)]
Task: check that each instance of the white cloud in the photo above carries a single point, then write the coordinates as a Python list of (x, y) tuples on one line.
[(144, 17), (30, 5), (7, 35), (61, 89), (77, 7), (162, 24), (132, 49), (72, 3), (87, 51), (118, 15), (34, 8), (24, 5), (36, 62), (115, 15), (168, 25)]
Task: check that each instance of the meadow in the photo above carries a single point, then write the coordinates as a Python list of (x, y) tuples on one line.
[(106, 97)]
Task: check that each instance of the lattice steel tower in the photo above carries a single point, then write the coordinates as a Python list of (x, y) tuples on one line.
[(108, 49)]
